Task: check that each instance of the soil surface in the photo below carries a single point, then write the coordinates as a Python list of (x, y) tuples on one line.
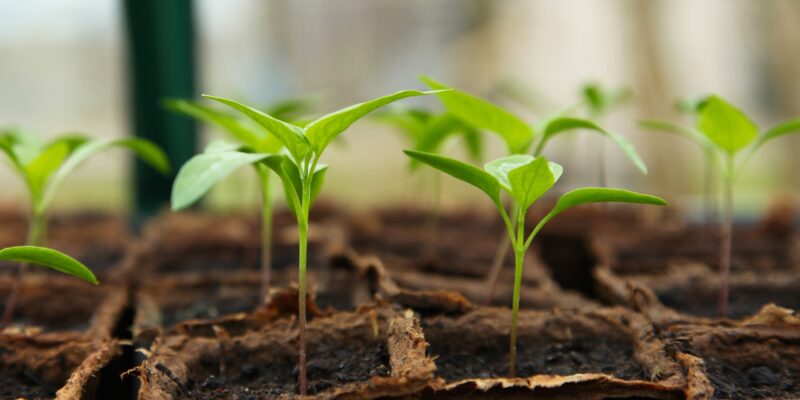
[(742, 367), (13, 386), (476, 346)]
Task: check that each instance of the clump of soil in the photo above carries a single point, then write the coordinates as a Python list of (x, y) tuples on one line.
[(475, 345)]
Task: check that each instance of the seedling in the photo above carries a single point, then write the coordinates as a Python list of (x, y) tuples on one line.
[(724, 131), (525, 179), (254, 137), (49, 258), (44, 166), (520, 138), (600, 101), (297, 166), (428, 131)]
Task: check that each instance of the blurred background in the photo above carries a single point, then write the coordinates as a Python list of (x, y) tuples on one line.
[(68, 65)]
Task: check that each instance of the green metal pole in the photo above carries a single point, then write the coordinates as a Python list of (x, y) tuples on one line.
[(161, 65)]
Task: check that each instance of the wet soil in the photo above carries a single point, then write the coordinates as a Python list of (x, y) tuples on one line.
[(475, 345)]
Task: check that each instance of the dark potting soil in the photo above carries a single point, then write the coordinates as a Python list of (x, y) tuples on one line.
[(700, 298), (73, 312), (743, 368), (465, 350), (14, 386), (333, 360), (209, 307)]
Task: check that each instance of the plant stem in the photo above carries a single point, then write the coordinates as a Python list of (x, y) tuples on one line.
[(497, 262), (601, 163), (303, 229), (433, 220), (519, 258), (709, 200), (36, 232), (266, 233), (726, 247)]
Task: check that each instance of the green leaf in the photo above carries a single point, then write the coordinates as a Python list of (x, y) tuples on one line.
[(230, 124), (290, 135), (784, 128), (203, 171), (323, 130), (219, 145), (601, 195), (462, 171), (42, 167), (501, 167), (564, 124), (725, 125), (145, 149), (532, 180), (482, 114), (676, 129), (292, 109), (601, 100), (412, 122), (48, 258), (317, 180)]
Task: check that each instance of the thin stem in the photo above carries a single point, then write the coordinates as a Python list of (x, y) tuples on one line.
[(433, 220), (266, 232), (303, 217), (519, 258), (36, 233), (726, 245)]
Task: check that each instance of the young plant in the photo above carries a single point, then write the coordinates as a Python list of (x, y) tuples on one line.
[(600, 101), (297, 166), (525, 178), (44, 166), (425, 130), (724, 132), (49, 258), (258, 140), (520, 138)]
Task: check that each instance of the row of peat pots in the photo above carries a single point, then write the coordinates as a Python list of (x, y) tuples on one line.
[(616, 305)]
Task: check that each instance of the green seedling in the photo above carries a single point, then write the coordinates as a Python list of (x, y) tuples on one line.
[(428, 131), (44, 166), (600, 101), (254, 137), (724, 131), (525, 178), (297, 166), (520, 137)]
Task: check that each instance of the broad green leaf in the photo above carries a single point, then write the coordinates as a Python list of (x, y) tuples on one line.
[(287, 171), (317, 180), (501, 167), (203, 171), (676, 129), (600, 195), (290, 135), (48, 258), (7, 147), (146, 150), (230, 124), (462, 171), (725, 125), (532, 180), (323, 130), (564, 124), (482, 114), (784, 128), (691, 105)]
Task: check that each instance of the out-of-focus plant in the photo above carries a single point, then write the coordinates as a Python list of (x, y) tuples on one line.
[(256, 138), (298, 167), (44, 167), (428, 131), (723, 132), (525, 178), (600, 101)]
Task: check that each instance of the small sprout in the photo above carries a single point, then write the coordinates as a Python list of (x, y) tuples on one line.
[(44, 166), (724, 131), (297, 166), (525, 178)]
